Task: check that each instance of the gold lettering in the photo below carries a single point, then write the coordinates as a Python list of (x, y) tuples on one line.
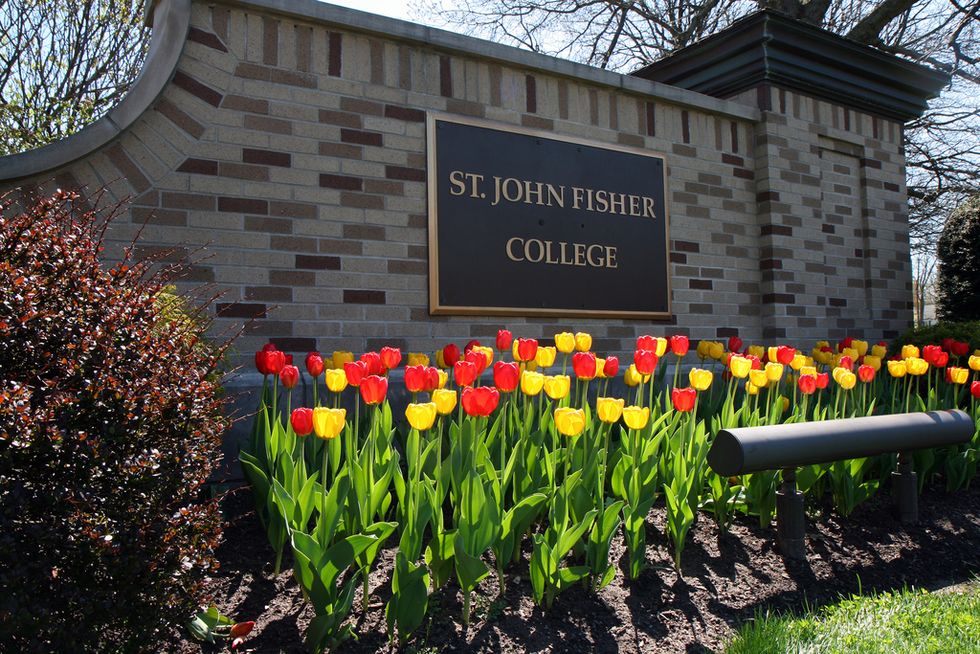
[(601, 201), (527, 250), (588, 192), (564, 260), (496, 191), (514, 184), (611, 257), (617, 200), (577, 194), (475, 185), (456, 180), (535, 189), (634, 205), (648, 211), (595, 264), (579, 253), (557, 196), (510, 252), (547, 258)]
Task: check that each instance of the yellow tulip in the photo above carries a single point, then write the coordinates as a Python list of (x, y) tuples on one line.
[(740, 366), (632, 376), (974, 362), (771, 353), (847, 379), (774, 371), (328, 423), (757, 351), (716, 350), (785, 401), (569, 421), (873, 361), (897, 368), (849, 352), (565, 342), (879, 351), (557, 387), (821, 344), (700, 379), (798, 361), (703, 349), (636, 417), (488, 351), (599, 365), (445, 400), (808, 370), (336, 379), (340, 358), (661, 346), (916, 366), (583, 341), (417, 359), (545, 356), (440, 360), (751, 388), (837, 373), (609, 409), (860, 346), (530, 365), (910, 352), (958, 375), (758, 378), (421, 416), (822, 357), (513, 350), (531, 382), (443, 378)]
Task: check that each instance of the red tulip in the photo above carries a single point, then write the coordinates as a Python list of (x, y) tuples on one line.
[(373, 362), (646, 342), (930, 354), (374, 389), (356, 371), (645, 361), (243, 628), (756, 362), (314, 364), (611, 367), (846, 362), (469, 346), (941, 360), (807, 384), (960, 348), (269, 360), (480, 401), (975, 389), (390, 357), (450, 355), (269, 347), (504, 340), (416, 378), (584, 365), (823, 379), (302, 421), (464, 372), (734, 343), (683, 398), (506, 376), (947, 344), (478, 359), (866, 374), (288, 359), (431, 379), (679, 345), (526, 349), (289, 376), (784, 354)]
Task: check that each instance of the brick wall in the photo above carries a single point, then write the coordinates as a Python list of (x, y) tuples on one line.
[(293, 151)]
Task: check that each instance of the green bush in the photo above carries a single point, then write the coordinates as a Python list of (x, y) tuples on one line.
[(958, 249), (934, 335), (110, 424)]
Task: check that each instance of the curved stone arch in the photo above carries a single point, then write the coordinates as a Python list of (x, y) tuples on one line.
[(170, 20)]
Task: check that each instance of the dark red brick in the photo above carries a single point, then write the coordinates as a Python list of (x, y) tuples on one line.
[(240, 310), (206, 38), (405, 174), (686, 246), (198, 166), (295, 345), (243, 205), (311, 262), (361, 137), (404, 113), (361, 232), (267, 157), (352, 296), (196, 88), (343, 182)]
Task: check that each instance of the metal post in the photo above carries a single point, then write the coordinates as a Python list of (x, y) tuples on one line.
[(905, 490), (790, 518)]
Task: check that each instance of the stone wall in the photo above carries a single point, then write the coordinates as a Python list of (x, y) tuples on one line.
[(290, 145)]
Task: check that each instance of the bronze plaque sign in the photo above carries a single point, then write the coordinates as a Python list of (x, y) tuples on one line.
[(523, 222)]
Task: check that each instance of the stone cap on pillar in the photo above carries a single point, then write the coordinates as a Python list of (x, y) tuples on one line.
[(769, 47)]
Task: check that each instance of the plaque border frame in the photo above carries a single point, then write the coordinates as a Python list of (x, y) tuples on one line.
[(432, 176)]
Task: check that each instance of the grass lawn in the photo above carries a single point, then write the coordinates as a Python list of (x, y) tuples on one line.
[(909, 621)]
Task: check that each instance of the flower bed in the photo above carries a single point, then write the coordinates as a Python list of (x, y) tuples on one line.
[(533, 461)]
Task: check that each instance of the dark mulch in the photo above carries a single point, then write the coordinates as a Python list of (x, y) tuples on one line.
[(726, 580)]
